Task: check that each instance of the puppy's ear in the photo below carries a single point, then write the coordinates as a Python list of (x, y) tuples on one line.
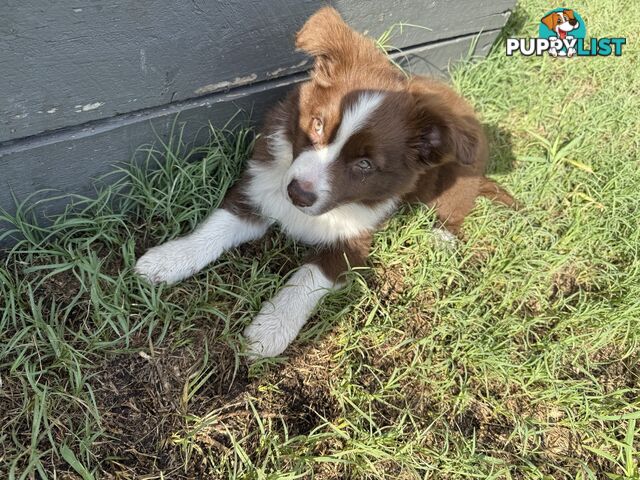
[(322, 33), (466, 139), (550, 21), (569, 14), (429, 144), (334, 45), (445, 136)]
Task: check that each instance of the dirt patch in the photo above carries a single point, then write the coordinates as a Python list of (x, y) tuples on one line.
[(525, 429), (614, 370), (139, 397), (154, 418), (60, 288)]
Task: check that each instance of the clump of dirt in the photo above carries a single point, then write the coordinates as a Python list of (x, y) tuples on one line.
[(616, 370), (564, 283), (391, 289), (482, 252), (559, 441), (420, 319), (389, 283)]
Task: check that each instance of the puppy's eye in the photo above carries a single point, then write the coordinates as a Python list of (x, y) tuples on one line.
[(364, 164), (317, 126)]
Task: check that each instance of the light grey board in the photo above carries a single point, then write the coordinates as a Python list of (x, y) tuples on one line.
[(69, 160), (70, 62), (436, 59)]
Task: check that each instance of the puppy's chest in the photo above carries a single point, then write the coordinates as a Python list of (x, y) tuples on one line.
[(267, 193)]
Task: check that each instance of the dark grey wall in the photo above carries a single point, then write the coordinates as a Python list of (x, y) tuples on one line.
[(85, 84)]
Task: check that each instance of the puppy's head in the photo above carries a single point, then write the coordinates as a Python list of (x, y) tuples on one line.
[(563, 20), (362, 134)]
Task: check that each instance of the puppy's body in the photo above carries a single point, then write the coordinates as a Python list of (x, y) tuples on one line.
[(334, 161)]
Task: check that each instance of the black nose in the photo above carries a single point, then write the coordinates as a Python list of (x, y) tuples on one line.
[(573, 22), (300, 193)]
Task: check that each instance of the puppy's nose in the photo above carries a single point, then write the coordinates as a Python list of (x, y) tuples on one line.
[(301, 193), (573, 22)]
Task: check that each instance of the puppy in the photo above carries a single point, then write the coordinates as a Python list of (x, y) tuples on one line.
[(561, 23), (335, 160)]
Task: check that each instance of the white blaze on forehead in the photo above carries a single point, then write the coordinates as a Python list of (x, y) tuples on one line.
[(356, 117), (313, 165)]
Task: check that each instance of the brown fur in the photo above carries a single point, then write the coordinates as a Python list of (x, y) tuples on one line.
[(338, 258)]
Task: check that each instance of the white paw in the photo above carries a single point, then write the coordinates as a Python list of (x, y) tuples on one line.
[(170, 262), (267, 336), (280, 320), (444, 238)]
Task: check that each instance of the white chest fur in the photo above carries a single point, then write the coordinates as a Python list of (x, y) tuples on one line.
[(268, 194)]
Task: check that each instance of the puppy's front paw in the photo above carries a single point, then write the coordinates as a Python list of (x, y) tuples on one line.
[(272, 330), (170, 262), (444, 238), (280, 320), (267, 336)]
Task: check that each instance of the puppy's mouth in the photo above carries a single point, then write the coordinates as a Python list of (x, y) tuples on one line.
[(311, 211), (319, 208)]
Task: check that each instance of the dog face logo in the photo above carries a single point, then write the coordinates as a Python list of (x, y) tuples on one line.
[(561, 22), (564, 25), (562, 34)]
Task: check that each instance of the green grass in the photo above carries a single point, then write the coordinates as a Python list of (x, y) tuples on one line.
[(513, 356)]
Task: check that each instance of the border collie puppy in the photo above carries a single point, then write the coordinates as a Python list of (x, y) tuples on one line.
[(335, 159)]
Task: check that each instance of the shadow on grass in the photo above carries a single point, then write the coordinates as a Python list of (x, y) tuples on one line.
[(501, 156)]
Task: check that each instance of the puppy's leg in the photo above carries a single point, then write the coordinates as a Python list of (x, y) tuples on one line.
[(454, 198), (227, 227), (281, 318)]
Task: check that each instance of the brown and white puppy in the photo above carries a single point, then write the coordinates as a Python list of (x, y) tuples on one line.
[(334, 161)]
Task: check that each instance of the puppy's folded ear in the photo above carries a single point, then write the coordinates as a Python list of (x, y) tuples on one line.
[(334, 45), (444, 135), (323, 33)]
